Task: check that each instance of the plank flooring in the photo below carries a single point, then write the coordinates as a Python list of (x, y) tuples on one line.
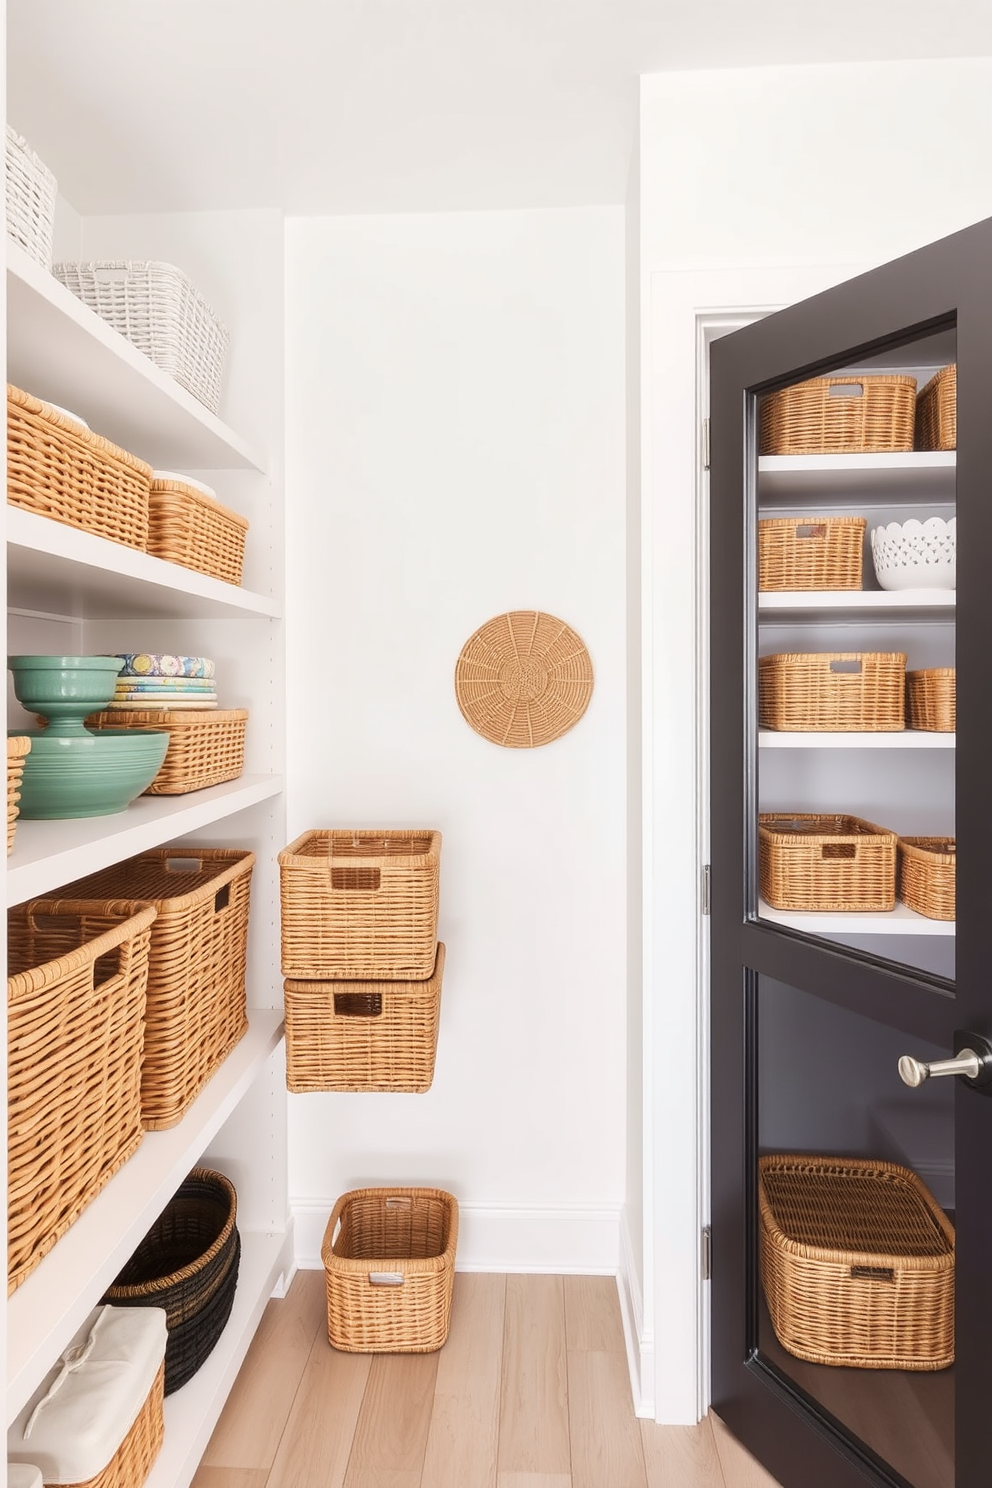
[(530, 1391)]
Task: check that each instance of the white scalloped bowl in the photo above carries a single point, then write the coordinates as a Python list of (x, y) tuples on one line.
[(916, 555)]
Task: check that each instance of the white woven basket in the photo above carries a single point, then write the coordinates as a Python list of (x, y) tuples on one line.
[(916, 555), (31, 190), (158, 310)]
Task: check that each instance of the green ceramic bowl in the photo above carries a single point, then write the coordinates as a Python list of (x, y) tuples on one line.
[(64, 689), (89, 774)]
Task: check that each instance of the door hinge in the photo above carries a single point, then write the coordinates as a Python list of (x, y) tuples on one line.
[(706, 1252), (705, 890), (706, 444)]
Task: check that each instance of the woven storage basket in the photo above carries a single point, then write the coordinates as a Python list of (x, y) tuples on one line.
[(205, 747), (931, 699), (189, 527), (389, 1265), (75, 1007), (196, 1009), (31, 193), (360, 905), (857, 1263), (57, 468), (937, 412), (363, 1035), (842, 691), (18, 748), (839, 416), (926, 875), (813, 553), (187, 1264), (825, 863), (157, 309)]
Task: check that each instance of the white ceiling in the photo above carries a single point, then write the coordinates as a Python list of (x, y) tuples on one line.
[(330, 106)]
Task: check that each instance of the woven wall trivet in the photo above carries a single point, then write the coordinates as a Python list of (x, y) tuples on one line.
[(523, 679)]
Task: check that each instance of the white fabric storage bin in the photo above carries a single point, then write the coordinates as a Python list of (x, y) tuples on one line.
[(31, 191)]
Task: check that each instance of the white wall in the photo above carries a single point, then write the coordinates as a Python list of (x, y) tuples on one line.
[(455, 449)]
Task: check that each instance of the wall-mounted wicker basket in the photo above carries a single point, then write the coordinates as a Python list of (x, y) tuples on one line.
[(825, 863), (931, 699), (927, 876), (840, 416), (842, 691), (937, 412), (810, 552)]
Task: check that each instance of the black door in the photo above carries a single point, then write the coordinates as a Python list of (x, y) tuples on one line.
[(851, 1210)]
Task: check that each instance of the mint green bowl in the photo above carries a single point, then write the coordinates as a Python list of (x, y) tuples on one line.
[(88, 774)]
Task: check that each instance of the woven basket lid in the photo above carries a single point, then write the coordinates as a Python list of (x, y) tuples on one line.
[(523, 679)]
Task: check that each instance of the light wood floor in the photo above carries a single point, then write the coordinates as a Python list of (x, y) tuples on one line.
[(531, 1390)]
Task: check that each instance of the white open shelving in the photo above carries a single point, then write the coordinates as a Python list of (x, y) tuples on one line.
[(858, 603), (899, 921), (920, 475), (822, 739)]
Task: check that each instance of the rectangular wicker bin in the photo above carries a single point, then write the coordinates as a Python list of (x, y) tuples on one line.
[(937, 412), (810, 553), (363, 1035), (76, 990), (829, 863), (56, 468), (389, 1266), (926, 875), (857, 1263), (839, 416), (931, 699), (196, 1004), (360, 905), (839, 691), (188, 527), (206, 747), (18, 749)]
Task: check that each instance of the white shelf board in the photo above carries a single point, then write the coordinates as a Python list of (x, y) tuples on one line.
[(61, 351), (46, 1309), (192, 1412), (842, 603), (821, 739), (55, 569), (48, 854), (898, 921), (927, 475)]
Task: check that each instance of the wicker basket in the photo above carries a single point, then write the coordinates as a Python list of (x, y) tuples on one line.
[(31, 193), (931, 700), (18, 748), (926, 875), (57, 468), (360, 905), (857, 1263), (825, 863), (839, 416), (937, 412), (196, 1009), (205, 747), (157, 309), (76, 1002), (363, 1035), (187, 1264), (810, 553), (187, 526), (842, 691), (389, 1265)]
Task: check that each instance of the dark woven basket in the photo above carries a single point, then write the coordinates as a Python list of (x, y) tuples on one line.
[(188, 1265)]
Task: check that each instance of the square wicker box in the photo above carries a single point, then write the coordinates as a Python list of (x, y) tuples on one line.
[(811, 552), (196, 1003), (205, 747), (931, 699), (187, 526), (360, 905), (389, 1266), (76, 990), (827, 863), (57, 468), (926, 875), (857, 1263), (31, 193), (839, 416), (363, 1035), (18, 749), (839, 691), (937, 412)]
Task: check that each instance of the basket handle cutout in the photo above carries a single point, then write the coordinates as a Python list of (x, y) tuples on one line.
[(222, 898), (847, 390), (385, 1278), (183, 865), (108, 967), (358, 1004), (399, 1201), (811, 529), (839, 850), (366, 879), (845, 666), (873, 1273), (110, 276)]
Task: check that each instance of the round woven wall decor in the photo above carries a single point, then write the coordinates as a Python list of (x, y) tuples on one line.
[(523, 679)]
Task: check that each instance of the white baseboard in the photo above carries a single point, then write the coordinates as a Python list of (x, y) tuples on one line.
[(580, 1241), (637, 1336)]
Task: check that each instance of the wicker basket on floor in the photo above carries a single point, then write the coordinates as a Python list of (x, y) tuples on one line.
[(206, 746), (57, 468), (931, 699), (839, 691), (76, 1003), (196, 1004), (839, 416), (810, 553), (31, 193), (926, 875), (18, 749), (389, 1265), (937, 412), (857, 1263), (188, 527), (825, 863)]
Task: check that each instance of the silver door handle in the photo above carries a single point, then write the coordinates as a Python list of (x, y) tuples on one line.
[(914, 1071)]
